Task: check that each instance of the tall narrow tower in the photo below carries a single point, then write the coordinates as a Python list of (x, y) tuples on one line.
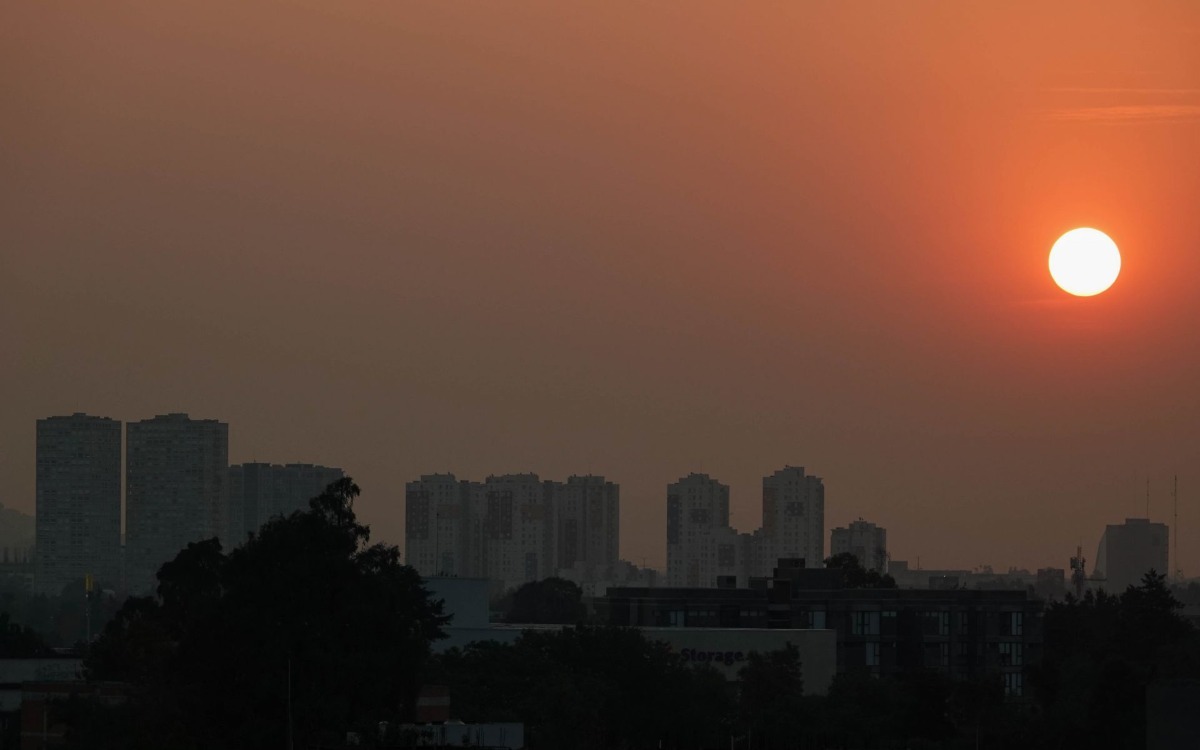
[(793, 517), (78, 499), (176, 491)]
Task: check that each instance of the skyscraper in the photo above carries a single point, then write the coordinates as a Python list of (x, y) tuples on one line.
[(78, 498), (588, 518), (519, 530), (866, 541), (176, 491), (702, 548), (793, 516), (259, 492), (1130, 550), (512, 528), (438, 538)]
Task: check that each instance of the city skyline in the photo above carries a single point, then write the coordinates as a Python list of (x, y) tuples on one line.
[(631, 242), (252, 492)]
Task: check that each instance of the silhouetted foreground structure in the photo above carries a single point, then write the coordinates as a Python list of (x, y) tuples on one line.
[(885, 631), (307, 636)]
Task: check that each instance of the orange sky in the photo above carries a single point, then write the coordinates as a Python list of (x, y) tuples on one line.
[(637, 239)]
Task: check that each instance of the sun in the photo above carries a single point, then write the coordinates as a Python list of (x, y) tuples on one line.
[(1084, 262)]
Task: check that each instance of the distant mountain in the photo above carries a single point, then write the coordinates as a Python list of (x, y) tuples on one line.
[(16, 528)]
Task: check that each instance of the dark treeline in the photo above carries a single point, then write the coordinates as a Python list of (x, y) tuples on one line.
[(61, 620), (307, 631)]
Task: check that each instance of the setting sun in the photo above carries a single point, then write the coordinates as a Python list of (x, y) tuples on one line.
[(1085, 262)]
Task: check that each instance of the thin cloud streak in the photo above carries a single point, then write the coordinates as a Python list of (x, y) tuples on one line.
[(1129, 113), (1122, 90)]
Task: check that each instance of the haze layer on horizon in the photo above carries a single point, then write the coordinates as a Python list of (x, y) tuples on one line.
[(636, 240)]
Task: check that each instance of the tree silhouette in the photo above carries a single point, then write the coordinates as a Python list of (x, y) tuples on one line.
[(856, 576), (552, 601), (304, 608)]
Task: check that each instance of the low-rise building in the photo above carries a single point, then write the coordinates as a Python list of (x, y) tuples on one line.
[(963, 633)]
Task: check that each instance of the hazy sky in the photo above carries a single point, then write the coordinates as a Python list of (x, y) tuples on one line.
[(634, 239)]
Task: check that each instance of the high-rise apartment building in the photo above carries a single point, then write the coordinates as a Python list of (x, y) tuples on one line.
[(793, 517), (176, 491), (438, 526), (865, 541), (259, 492), (588, 517), (702, 549), (519, 530), (78, 495), (512, 528), (1130, 550)]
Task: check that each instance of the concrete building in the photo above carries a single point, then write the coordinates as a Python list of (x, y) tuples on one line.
[(866, 541), (513, 528), (885, 632), (588, 516), (259, 492), (442, 531), (1130, 550), (704, 551), (520, 536), (793, 517), (724, 649), (176, 491), (702, 548), (78, 496)]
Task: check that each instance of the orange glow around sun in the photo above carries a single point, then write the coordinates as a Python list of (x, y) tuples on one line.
[(1085, 262)]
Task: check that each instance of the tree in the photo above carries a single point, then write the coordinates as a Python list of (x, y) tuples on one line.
[(589, 687), (772, 703), (552, 601), (856, 576), (1100, 653), (305, 607), (19, 642)]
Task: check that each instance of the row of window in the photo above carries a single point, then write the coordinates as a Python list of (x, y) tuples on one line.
[(932, 623)]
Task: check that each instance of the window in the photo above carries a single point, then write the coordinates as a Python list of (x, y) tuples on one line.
[(936, 623), (1014, 683), (864, 623), (944, 654), (1011, 654), (872, 653), (1012, 623)]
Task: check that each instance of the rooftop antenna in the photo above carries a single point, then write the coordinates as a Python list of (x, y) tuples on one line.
[(1175, 526)]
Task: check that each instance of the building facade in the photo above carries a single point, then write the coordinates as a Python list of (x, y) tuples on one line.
[(513, 528), (866, 541), (702, 549), (438, 526), (588, 517), (259, 492), (176, 491), (1130, 550), (78, 496), (885, 632), (793, 517)]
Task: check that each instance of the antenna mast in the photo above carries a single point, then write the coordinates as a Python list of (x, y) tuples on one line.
[(1147, 498), (1175, 526)]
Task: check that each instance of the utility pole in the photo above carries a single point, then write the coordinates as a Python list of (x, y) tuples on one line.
[(1175, 526), (290, 738)]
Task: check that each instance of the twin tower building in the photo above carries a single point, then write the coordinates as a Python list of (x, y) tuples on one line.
[(179, 488), (518, 528)]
